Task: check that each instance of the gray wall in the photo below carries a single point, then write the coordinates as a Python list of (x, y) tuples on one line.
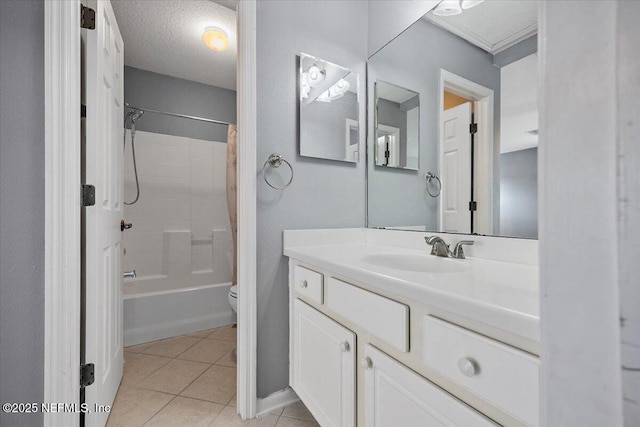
[(413, 60), (324, 130), (21, 207), (519, 193), (146, 89), (324, 193)]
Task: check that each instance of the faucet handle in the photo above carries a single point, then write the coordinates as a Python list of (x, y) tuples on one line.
[(458, 252)]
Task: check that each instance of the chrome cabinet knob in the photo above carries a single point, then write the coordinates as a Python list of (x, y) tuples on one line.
[(366, 363), (468, 366), (344, 347), (303, 284)]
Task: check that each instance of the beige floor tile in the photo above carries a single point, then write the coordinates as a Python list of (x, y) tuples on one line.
[(228, 333), (202, 334), (140, 347), (229, 418), (186, 412), (276, 411), (174, 377), (133, 407), (208, 351), (234, 401), (171, 347), (229, 359), (217, 384), (138, 366), (295, 422), (299, 411)]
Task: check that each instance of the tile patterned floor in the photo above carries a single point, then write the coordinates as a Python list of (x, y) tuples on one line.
[(189, 381)]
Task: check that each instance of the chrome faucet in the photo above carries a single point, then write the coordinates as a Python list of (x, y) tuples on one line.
[(440, 248)]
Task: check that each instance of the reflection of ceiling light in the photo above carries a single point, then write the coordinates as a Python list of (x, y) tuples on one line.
[(315, 75), (468, 4), (448, 8), (304, 85), (452, 7), (215, 39), (334, 92)]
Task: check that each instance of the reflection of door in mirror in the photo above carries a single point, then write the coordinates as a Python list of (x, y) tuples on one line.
[(456, 174), (388, 148)]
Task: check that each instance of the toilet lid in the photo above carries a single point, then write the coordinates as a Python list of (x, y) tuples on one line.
[(233, 291)]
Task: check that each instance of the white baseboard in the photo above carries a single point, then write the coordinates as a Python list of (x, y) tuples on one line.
[(276, 400), (177, 328)]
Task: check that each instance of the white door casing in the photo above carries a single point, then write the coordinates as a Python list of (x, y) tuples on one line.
[(104, 169), (455, 146)]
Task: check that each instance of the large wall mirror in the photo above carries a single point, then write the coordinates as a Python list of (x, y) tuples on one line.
[(475, 170), (329, 110)]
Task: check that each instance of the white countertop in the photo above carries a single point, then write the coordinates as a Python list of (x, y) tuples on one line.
[(503, 295)]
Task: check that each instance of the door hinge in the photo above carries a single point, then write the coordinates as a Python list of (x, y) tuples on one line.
[(473, 206), (88, 195), (87, 374), (87, 18), (83, 111), (473, 128)]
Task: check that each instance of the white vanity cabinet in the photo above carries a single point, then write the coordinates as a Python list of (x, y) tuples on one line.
[(395, 396), (364, 357), (323, 366)]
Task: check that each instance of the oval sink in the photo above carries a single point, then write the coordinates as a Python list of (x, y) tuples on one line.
[(419, 263)]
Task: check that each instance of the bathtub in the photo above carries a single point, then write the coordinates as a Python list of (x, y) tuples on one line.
[(155, 309)]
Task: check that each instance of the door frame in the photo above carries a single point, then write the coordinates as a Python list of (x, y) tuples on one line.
[(483, 105), (62, 208)]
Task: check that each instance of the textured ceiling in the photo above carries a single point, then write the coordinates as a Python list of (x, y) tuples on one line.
[(493, 25), (165, 36), (519, 104)]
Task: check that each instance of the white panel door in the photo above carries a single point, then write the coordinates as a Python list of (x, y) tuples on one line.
[(323, 374), (104, 169), (456, 168), (396, 396)]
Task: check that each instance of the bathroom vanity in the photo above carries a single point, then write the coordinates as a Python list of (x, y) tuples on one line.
[(384, 334)]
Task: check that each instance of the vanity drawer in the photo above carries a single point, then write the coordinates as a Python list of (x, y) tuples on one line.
[(502, 375), (380, 316), (308, 283)]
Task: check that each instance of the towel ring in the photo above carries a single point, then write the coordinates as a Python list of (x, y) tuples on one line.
[(276, 161), (430, 177)]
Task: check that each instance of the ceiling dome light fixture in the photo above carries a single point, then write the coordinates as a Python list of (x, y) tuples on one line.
[(215, 38), (448, 8)]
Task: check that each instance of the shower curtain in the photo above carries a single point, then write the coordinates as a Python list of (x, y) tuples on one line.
[(232, 198)]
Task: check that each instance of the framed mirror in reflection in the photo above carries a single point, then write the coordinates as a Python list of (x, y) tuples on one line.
[(397, 127), (476, 73), (329, 110)]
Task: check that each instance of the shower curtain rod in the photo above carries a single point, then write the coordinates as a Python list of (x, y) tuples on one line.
[(184, 116)]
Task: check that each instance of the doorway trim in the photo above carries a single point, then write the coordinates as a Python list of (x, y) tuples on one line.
[(247, 394), (62, 209), (483, 105)]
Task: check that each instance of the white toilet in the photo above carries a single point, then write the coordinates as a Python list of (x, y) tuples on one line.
[(233, 298)]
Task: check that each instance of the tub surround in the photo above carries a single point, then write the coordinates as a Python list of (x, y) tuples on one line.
[(396, 335)]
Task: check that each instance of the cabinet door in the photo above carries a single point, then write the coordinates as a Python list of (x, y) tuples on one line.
[(396, 396), (323, 358)]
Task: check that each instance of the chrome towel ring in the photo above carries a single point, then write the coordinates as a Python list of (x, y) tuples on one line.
[(430, 177), (276, 160)]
